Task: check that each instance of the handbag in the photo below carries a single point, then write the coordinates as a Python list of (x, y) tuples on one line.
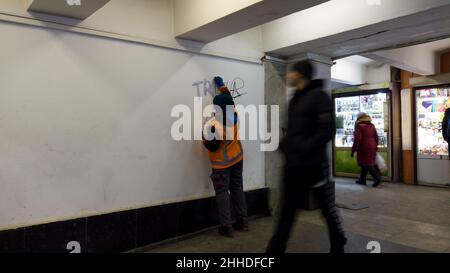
[(379, 161)]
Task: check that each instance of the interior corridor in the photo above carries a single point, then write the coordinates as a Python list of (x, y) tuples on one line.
[(403, 219)]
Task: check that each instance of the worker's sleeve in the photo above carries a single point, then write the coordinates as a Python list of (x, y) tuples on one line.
[(224, 90), (211, 145), (324, 130)]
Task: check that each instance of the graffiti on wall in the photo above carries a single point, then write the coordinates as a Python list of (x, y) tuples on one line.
[(207, 87)]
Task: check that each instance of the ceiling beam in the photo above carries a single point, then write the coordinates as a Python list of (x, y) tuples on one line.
[(209, 20), (77, 9), (341, 28)]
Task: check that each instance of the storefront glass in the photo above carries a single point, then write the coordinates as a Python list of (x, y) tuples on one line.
[(347, 109), (433, 166), (431, 106)]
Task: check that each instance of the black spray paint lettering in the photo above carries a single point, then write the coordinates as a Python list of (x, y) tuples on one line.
[(204, 87)]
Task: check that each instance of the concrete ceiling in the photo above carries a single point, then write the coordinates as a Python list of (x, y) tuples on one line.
[(426, 26), (439, 46), (78, 9), (209, 20), (421, 59), (360, 60), (338, 85)]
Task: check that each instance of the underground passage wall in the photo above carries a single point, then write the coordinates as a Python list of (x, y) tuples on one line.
[(85, 130)]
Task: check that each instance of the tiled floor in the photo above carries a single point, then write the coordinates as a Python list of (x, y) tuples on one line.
[(401, 218)]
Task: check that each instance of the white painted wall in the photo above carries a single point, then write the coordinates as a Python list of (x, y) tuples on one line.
[(421, 59), (417, 59), (378, 73), (147, 21), (348, 72), (85, 121), (407, 115), (352, 72), (191, 14)]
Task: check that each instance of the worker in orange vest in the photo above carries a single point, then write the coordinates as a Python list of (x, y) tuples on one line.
[(226, 156)]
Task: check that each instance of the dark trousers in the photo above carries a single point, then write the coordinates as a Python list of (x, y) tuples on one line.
[(229, 188), (374, 172), (292, 189)]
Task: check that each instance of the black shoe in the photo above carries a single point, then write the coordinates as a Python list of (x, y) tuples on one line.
[(226, 231), (241, 225), (361, 183), (338, 250), (340, 247), (376, 184)]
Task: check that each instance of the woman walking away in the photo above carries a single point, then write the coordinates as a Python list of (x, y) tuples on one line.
[(365, 145)]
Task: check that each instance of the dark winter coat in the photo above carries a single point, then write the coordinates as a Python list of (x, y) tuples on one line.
[(311, 125), (445, 125), (365, 143)]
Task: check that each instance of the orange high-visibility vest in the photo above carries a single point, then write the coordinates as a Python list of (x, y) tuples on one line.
[(230, 151)]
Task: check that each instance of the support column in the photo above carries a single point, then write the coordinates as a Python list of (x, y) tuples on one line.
[(275, 93), (397, 146), (445, 63), (408, 154)]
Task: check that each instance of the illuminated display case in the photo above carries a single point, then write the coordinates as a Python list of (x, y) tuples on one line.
[(348, 105), (431, 105)]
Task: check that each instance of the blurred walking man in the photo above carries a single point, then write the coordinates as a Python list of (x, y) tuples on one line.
[(311, 125)]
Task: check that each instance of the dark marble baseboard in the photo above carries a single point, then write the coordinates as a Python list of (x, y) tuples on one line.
[(124, 230)]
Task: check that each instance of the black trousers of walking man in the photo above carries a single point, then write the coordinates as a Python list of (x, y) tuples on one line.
[(294, 188)]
